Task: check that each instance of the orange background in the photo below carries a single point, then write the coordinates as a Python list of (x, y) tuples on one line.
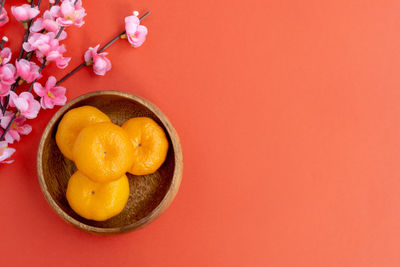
[(288, 113)]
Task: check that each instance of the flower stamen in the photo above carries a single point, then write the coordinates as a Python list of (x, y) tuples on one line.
[(2, 149), (73, 16)]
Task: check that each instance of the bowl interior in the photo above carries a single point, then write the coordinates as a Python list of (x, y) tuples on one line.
[(146, 192)]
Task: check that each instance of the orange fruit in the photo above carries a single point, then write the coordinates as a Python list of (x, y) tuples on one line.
[(150, 145), (103, 152), (97, 201), (72, 123)]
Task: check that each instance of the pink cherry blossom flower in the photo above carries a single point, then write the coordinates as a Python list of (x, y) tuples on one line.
[(6, 152), (135, 32), (101, 64), (3, 17), (69, 13), (55, 11), (57, 56), (44, 43), (50, 94), (25, 103), (4, 90), (17, 128), (48, 23), (7, 78), (27, 70), (25, 12), (7, 74), (5, 55), (46, 46)]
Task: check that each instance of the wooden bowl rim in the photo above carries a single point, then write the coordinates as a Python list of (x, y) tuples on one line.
[(168, 197)]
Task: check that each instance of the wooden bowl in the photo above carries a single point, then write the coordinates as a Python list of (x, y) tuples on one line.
[(150, 195)]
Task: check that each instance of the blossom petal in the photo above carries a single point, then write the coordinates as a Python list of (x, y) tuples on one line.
[(54, 11), (25, 129), (51, 82), (58, 91), (131, 24), (27, 47), (5, 120), (33, 110), (88, 56), (15, 135), (6, 153), (62, 62), (37, 25), (60, 100), (5, 55), (3, 17), (9, 138), (39, 89), (21, 104), (67, 8)]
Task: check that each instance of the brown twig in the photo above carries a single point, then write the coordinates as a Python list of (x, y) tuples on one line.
[(107, 45)]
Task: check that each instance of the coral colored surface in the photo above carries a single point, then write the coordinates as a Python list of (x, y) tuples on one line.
[(289, 117)]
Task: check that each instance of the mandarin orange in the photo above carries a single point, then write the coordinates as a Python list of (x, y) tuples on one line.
[(72, 123), (97, 201), (103, 152), (150, 145)]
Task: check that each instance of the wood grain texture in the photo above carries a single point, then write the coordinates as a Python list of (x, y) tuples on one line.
[(150, 195)]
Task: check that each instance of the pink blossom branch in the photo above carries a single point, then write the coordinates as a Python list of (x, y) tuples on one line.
[(72, 72), (29, 55), (1, 6), (27, 30), (3, 41), (40, 71), (59, 32), (107, 45), (15, 114), (15, 85), (69, 74), (119, 35), (7, 99), (21, 53), (44, 60), (8, 126)]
